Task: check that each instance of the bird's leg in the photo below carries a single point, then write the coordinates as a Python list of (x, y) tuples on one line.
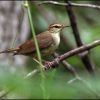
[(49, 64), (44, 62)]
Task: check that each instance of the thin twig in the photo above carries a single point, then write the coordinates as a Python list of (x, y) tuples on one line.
[(27, 5), (66, 4), (68, 66), (5, 92), (32, 73)]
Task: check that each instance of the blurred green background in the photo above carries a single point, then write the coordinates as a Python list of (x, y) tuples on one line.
[(56, 80)]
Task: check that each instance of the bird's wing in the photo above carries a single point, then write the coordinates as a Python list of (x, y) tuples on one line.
[(44, 40)]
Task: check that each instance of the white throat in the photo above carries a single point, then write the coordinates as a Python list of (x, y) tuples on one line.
[(56, 38)]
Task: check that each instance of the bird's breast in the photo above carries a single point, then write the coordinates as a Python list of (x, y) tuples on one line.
[(56, 39), (51, 49)]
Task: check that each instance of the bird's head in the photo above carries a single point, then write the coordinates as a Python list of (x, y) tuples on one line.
[(56, 28)]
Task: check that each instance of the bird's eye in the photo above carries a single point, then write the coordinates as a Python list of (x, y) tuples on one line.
[(57, 26)]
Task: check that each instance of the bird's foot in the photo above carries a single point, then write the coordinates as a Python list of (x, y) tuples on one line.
[(48, 65)]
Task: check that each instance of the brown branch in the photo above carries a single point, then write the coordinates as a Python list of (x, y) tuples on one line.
[(73, 4), (73, 52), (68, 67), (84, 56)]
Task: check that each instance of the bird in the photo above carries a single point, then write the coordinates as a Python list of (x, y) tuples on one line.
[(48, 42)]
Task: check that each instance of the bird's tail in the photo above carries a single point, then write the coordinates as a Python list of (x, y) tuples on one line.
[(12, 50)]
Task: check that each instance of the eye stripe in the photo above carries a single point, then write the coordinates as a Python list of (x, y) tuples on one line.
[(55, 26)]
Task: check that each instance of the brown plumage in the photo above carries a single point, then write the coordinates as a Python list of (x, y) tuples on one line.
[(44, 40), (48, 42)]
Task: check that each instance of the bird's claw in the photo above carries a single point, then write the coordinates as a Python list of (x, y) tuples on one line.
[(48, 64)]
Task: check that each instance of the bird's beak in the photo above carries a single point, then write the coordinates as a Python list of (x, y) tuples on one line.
[(66, 26)]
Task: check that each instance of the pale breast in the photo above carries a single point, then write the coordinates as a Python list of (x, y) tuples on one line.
[(50, 50), (56, 39)]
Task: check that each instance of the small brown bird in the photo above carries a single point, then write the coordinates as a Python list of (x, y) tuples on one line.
[(48, 42)]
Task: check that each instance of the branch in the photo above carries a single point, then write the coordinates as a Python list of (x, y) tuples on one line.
[(68, 67), (73, 52), (73, 4)]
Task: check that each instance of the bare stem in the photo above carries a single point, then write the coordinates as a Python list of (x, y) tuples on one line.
[(68, 66), (26, 4), (73, 4)]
